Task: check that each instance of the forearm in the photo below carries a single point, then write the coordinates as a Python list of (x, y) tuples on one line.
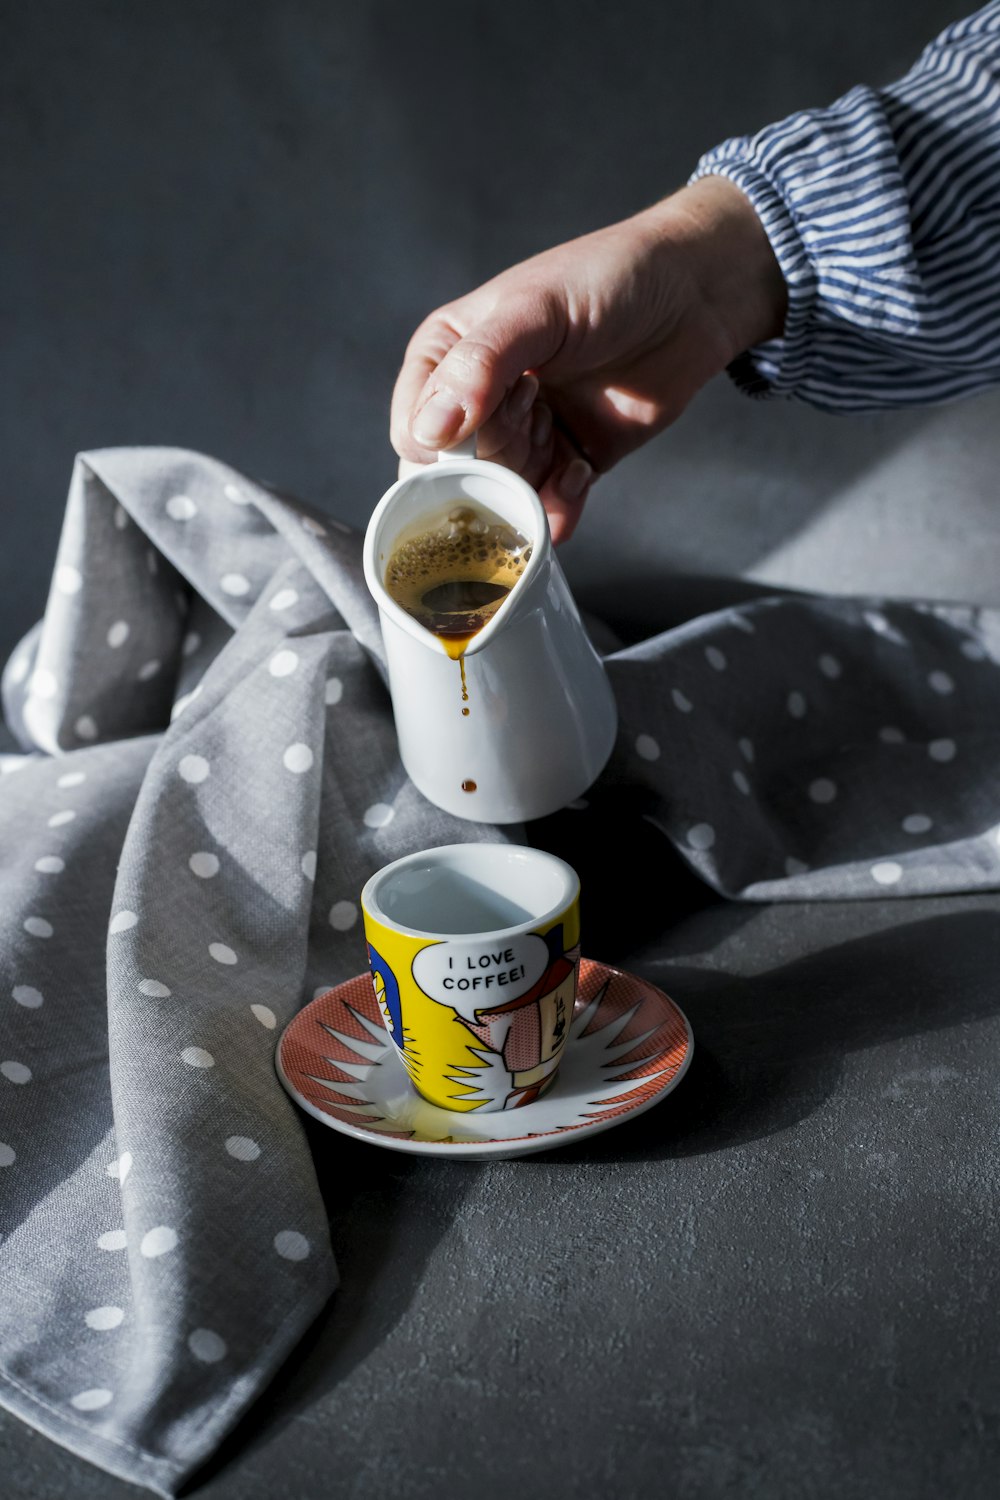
[(883, 213)]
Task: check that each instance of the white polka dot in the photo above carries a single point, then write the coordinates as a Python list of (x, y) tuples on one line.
[(103, 1318), (148, 671), (746, 750), (234, 584), (313, 527), (121, 519), (50, 864), (204, 865), (882, 627), (715, 658), (681, 702), (197, 1057), (334, 691), (15, 1072), (158, 1241), (309, 864), (797, 705), (795, 867), (190, 643), (122, 921), (183, 701), (701, 836), (235, 495), (119, 633), (8, 1156), (18, 668), (890, 735), (741, 783), (284, 599), (942, 750), (378, 815), (265, 1015), (38, 927), (120, 1168), (68, 580), (298, 758), (154, 988), (941, 682), (283, 664), (181, 508), (43, 683), (242, 1147), (343, 915), (822, 789), (972, 651), (193, 768), (207, 1346), (887, 872), (58, 819), (72, 778), (291, 1245), (86, 727), (27, 995), (91, 1400), (917, 823), (113, 1239), (830, 666), (645, 747), (222, 954)]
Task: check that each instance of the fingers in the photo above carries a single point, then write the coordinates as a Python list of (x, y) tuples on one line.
[(564, 492), (452, 384)]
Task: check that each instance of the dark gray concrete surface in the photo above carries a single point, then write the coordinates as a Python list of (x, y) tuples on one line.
[(223, 223)]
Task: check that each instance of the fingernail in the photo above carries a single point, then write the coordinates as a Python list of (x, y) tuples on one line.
[(522, 396), (541, 425), (438, 419), (576, 477)]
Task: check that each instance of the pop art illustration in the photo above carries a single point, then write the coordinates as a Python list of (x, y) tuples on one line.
[(492, 1023)]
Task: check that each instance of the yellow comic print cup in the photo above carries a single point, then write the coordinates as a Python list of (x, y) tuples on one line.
[(474, 951)]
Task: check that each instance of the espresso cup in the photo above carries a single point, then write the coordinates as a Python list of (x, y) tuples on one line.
[(474, 951)]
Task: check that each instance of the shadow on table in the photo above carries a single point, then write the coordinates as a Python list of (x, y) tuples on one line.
[(770, 1047)]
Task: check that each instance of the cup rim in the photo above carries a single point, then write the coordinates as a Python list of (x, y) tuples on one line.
[(370, 905)]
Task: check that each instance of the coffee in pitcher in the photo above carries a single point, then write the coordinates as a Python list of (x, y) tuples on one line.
[(454, 574)]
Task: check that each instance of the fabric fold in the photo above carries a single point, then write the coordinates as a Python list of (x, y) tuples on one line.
[(181, 858)]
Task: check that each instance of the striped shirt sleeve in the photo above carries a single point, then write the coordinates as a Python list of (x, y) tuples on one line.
[(884, 213)]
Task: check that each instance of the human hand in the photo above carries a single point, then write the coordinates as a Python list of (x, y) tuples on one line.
[(570, 360)]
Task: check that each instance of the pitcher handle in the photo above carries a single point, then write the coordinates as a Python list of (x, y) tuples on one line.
[(465, 449)]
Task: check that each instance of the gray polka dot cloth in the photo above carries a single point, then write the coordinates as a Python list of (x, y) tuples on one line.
[(210, 775)]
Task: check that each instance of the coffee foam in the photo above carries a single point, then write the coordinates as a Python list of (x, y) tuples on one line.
[(454, 573)]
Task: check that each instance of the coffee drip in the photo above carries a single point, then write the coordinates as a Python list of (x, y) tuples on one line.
[(453, 575)]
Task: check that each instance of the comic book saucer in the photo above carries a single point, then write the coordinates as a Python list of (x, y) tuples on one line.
[(629, 1045)]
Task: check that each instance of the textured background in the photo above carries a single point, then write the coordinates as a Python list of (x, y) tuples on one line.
[(223, 223)]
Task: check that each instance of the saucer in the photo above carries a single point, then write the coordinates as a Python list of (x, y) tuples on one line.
[(628, 1046)]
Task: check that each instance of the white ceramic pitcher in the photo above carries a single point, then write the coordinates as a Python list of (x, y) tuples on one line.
[(541, 717)]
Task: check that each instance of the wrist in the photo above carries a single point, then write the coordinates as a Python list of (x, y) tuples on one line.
[(730, 259)]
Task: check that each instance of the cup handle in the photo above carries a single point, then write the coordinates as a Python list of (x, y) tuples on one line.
[(464, 449)]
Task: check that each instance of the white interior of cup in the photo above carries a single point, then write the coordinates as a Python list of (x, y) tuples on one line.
[(461, 889)]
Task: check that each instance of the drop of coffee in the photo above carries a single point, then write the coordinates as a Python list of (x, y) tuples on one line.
[(468, 786)]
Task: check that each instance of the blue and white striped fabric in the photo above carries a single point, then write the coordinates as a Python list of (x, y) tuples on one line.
[(884, 213)]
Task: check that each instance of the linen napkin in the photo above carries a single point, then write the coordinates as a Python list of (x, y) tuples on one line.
[(210, 773)]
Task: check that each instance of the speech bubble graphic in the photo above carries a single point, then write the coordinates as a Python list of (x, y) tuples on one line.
[(481, 976)]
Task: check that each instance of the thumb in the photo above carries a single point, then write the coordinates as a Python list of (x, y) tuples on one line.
[(478, 371)]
